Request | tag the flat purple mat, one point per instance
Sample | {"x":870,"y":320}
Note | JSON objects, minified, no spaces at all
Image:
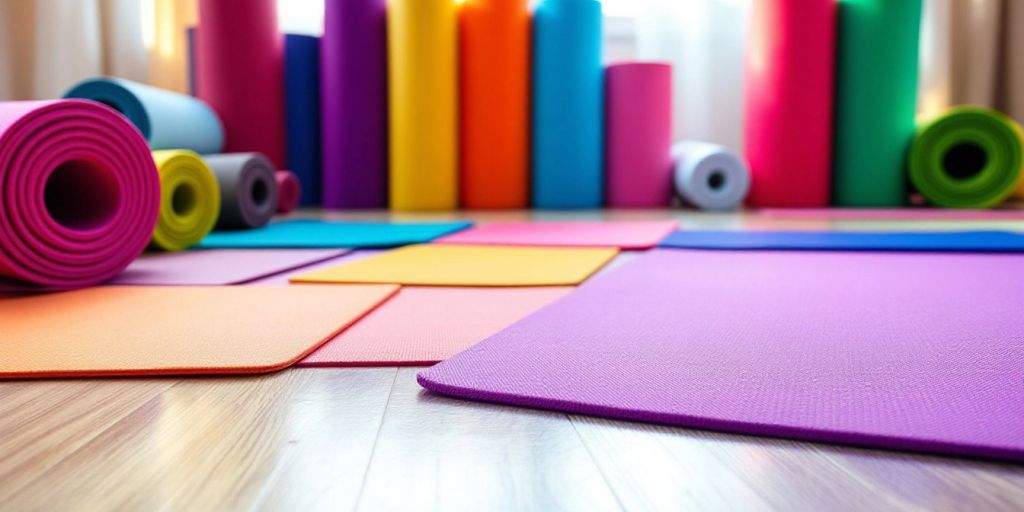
{"x":219,"y":266}
{"x":920,"y":352}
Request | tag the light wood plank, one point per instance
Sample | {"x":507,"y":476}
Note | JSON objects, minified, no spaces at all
{"x":435,"y":453}
{"x":222,"y":444}
{"x":655,"y":467}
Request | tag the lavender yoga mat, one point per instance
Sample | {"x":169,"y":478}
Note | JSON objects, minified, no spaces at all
{"x":353,"y":88}
{"x":79,"y":193}
{"x":219,"y":267}
{"x":901,"y":351}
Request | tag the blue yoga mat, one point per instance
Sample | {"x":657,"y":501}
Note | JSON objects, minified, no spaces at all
{"x":302,"y":112}
{"x":167,"y":119}
{"x":954,"y":241}
{"x":324,"y":234}
{"x":568,"y":105}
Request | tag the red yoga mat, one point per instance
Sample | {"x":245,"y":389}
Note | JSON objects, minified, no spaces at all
{"x":790,"y":81}
{"x":79,"y":193}
{"x":240,"y":61}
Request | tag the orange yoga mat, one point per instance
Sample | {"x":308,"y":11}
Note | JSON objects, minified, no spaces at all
{"x":422,"y":326}
{"x":494,"y":46}
{"x":128,"y":331}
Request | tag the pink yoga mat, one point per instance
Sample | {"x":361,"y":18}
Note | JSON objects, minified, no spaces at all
{"x":79,"y":193}
{"x":789,"y":82}
{"x":219,"y":266}
{"x":901,"y":351}
{"x":639,"y":134}
{"x":421,"y":326}
{"x":240,"y":61}
{"x":289,"y":190}
{"x":622,"y":234}
{"x":892,"y":214}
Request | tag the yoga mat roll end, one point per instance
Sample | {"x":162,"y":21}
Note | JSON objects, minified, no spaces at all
{"x":709,"y":176}
{"x":289,"y":191}
{"x":190,"y":200}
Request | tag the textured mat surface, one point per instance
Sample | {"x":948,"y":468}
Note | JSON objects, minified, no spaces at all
{"x":904,"y":351}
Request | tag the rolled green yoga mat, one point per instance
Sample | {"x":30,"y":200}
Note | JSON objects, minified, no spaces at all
{"x":970,"y":157}
{"x":876,"y":98}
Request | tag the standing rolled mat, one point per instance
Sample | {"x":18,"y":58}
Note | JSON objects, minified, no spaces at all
{"x":248,"y":189}
{"x":639,"y":135}
{"x":240,"y":73}
{"x":190,"y":200}
{"x":876,"y":100}
{"x":354,"y":102}
{"x":302,"y":112}
{"x":789,"y":86}
{"x":495,"y":103}
{"x":970,"y":157}
{"x":289,"y":190}
{"x":423,"y":55}
{"x":709,"y":176}
{"x":167,"y":119}
{"x":79,"y":193}
{"x":568,"y":105}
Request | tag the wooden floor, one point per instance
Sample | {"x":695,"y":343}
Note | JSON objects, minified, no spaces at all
{"x":372,"y":439}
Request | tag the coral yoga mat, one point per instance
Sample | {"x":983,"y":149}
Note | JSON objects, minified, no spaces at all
{"x":901,"y":351}
{"x":124,"y":331}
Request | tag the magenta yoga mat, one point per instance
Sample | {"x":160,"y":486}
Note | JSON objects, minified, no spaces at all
{"x":899,"y":351}
{"x":79,"y":193}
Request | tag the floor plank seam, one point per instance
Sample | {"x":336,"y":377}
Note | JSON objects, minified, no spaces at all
{"x":376,"y":438}
{"x":593,"y":459}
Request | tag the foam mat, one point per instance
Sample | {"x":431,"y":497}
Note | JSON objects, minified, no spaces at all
{"x":914,"y":352}
{"x":219,"y":266}
{"x":624,"y":235}
{"x":421,"y":326}
{"x":324,"y":234}
{"x":939,"y":241}
{"x":464,"y":265}
{"x":125,"y":331}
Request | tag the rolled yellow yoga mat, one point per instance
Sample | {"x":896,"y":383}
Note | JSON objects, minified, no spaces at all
{"x":189,"y":200}
{"x":969,"y":157}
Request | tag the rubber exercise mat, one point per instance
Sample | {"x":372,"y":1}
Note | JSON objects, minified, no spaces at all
{"x":320,"y":234}
{"x":79,"y":193}
{"x":421,"y":326}
{"x":219,"y":266}
{"x":466,"y":265}
{"x":624,"y":235}
{"x":284,"y":278}
{"x":124,"y":331}
{"x":901,"y":351}
{"x":941,"y":241}
{"x":893,"y":214}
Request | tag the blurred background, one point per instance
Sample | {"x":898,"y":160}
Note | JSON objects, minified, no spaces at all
{"x":48,"y":45}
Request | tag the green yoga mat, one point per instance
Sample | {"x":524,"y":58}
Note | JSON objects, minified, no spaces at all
{"x":876,"y":99}
{"x":971,"y":157}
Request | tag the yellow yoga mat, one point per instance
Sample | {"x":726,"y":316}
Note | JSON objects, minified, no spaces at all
{"x":422,"y":51}
{"x":464,"y":265}
{"x":189,"y":200}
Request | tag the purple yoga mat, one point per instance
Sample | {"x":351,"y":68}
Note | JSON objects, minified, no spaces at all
{"x":220,"y":266}
{"x":920,"y":352}
{"x":353,"y":89}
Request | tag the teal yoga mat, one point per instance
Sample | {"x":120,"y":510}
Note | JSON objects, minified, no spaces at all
{"x":876,"y":100}
{"x":168,"y":120}
{"x":325,"y":234}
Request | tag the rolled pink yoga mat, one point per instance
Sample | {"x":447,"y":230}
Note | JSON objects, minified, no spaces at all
{"x":79,"y":193}
{"x":240,"y":61}
{"x":289,"y":191}
{"x":790,"y":83}
{"x":639,"y":135}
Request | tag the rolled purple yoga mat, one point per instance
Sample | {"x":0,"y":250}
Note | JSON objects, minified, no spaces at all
{"x":79,"y":193}
{"x":353,"y":88}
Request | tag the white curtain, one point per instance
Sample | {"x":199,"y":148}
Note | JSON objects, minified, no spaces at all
{"x":705,"y":40}
{"x":48,"y":45}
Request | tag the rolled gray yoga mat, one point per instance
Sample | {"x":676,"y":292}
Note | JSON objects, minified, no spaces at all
{"x":248,"y":189}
